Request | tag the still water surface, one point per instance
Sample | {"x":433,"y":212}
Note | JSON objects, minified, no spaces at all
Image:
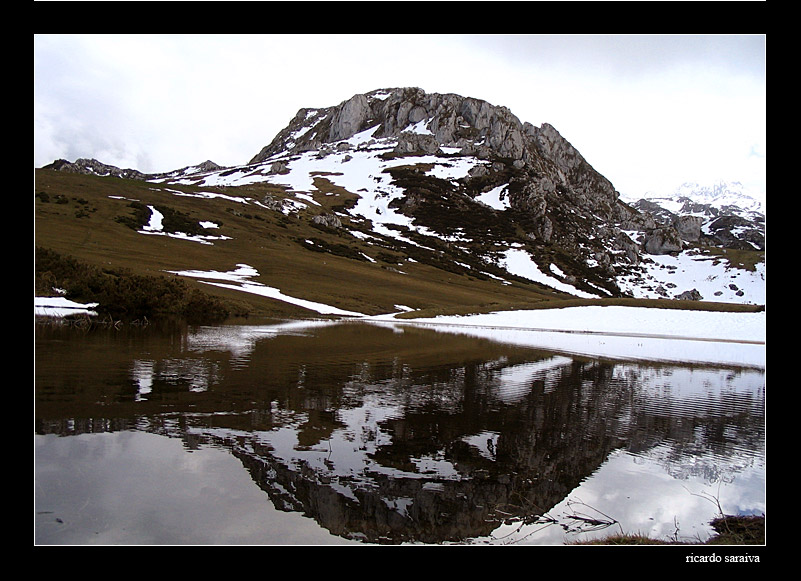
{"x":317,"y":432}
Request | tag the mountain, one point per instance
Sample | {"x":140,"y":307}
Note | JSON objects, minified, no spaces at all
{"x":722,"y":195}
{"x":424,"y":187}
{"x":722,"y":214}
{"x":94,"y":167}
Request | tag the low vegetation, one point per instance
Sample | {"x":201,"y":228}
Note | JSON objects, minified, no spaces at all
{"x":288,"y":250}
{"x":738,"y":530}
{"x":122,"y":294}
{"x":729,"y":530}
{"x":92,"y":225}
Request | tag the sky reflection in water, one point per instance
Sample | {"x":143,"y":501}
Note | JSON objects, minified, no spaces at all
{"x":314,"y":433}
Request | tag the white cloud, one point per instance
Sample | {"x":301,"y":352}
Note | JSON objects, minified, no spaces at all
{"x":648,"y":112}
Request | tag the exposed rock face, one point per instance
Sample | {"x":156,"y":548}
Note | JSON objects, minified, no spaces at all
{"x":662,"y":241}
{"x":409,"y":142}
{"x":475,"y":126}
{"x":328,"y":220}
{"x":689,"y":227}
{"x":207,"y":166}
{"x":349,"y":118}
{"x":690,"y":295}
{"x":452,"y":120}
{"x":94,"y":167}
{"x":556,"y":195}
{"x":563,"y":213}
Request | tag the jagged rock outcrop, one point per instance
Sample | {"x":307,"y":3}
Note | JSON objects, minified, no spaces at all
{"x":452,"y":120}
{"x":327,"y":220}
{"x":554,"y":193}
{"x":206,"y":166}
{"x":690,"y":295}
{"x":662,"y":241}
{"x":548,"y":199}
{"x":94,"y":167}
{"x":409,"y":142}
{"x":689,"y":227}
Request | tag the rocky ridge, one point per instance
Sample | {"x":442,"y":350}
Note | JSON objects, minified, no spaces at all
{"x":721,"y":215}
{"x":550,"y":203}
{"x":566,"y":209}
{"x":95,"y":167}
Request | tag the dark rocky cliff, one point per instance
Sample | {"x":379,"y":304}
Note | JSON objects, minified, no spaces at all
{"x":565,"y":207}
{"x":553,"y":205}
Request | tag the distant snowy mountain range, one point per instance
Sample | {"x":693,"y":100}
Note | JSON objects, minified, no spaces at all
{"x":723,"y":216}
{"x":727,"y":216}
{"x":720,"y":197}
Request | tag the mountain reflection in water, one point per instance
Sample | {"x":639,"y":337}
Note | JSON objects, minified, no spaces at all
{"x":390,"y":435}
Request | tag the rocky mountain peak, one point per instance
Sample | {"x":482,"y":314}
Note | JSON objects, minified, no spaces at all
{"x":563,"y":205}
{"x":447,"y":120}
{"x":460,"y":168}
{"x":428,"y":122}
{"x":92,"y":166}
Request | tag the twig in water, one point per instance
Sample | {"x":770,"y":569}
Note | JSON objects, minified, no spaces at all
{"x":594,"y":523}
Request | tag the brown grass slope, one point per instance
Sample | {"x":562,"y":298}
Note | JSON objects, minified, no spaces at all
{"x":89,"y":218}
{"x":93,"y":220}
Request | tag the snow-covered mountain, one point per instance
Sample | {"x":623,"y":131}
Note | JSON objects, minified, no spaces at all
{"x":710,"y":202}
{"x":720,"y":195}
{"x":714,"y":221}
{"x":467,"y":187}
{"x":724,"y":214}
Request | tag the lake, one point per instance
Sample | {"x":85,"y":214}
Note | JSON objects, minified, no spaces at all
{"x":337,"y":432}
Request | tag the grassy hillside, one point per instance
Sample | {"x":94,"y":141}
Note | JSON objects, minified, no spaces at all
{"x":94,"y":220}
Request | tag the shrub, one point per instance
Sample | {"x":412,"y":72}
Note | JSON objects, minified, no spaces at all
{"x":121,"y":293}
{"x":172,"y":220}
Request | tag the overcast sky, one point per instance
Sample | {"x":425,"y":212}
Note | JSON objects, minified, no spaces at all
{"x":648,"y":112}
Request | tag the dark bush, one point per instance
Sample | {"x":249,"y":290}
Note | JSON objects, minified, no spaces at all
{"x":172,"y":221}
{"x":121,"y":293}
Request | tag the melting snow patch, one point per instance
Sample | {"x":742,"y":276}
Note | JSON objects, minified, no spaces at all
{"x":419,"y":128}
{"x":495,"y":198}
{"x":155,"y":226}
{"x":242,"y":274}
{"x":209,"y":196}
{"x":712,"y":277}
{"x":624,"y":332}
{"x":518,"y":262}
{"x":239,"y":279}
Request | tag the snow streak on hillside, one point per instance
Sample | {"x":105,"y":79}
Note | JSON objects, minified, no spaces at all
{"x":356,"y":164}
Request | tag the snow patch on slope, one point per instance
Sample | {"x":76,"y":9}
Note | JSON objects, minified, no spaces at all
{"x":239,"y":279}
